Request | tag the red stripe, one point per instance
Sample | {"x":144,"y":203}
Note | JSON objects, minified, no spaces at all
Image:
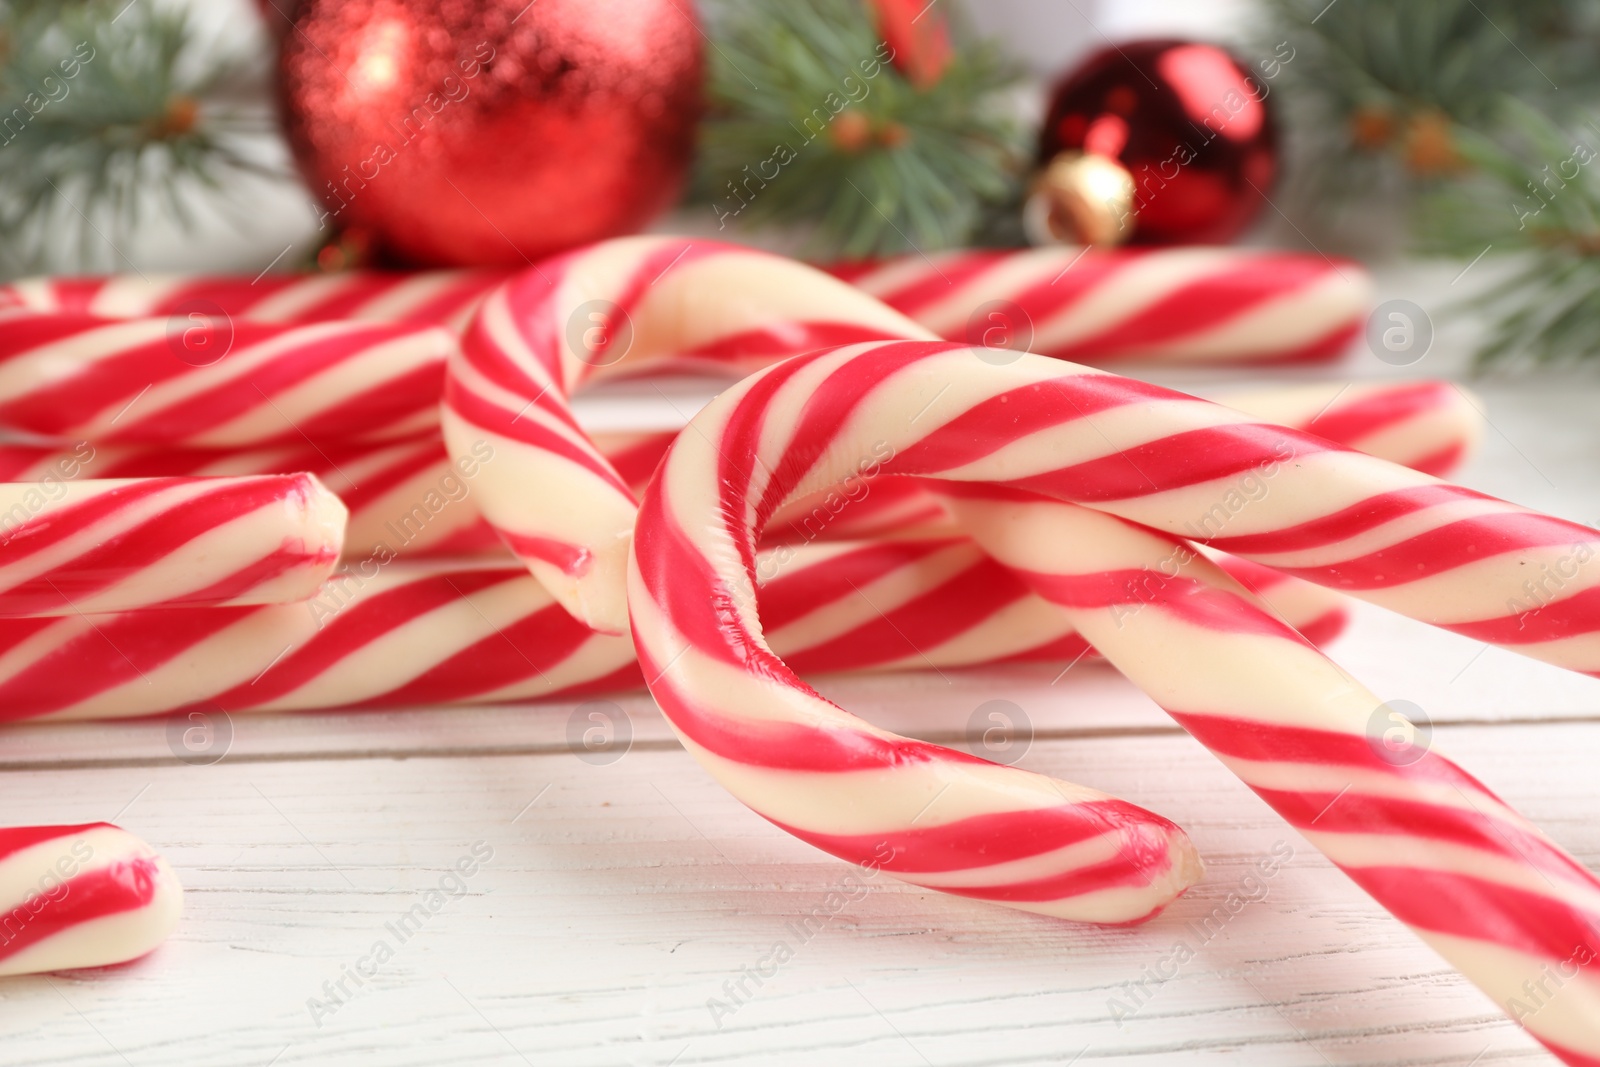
{"x":636,"y":461}
{"x":359,"y":623}
{"x":233,"y":295}
{"x":1463,"y":906}
{"x":1325,"y":628}
{"x":924,"y":622}
{"x":14,"y":839}
{"x":573,"y":560}
{"x":118,"y":649}
{"x":825,"y":411}
{"x":514,"y":654}
{"x":372,"y":411}
{"x":52,"y":525}
{"x":453,"y":301}
{"x":1176,"y":461}
{"x":1380,"y":410}
{"x":496,"y":420}
{"x":1360,"y":517}
{"x":787,"y":746}
{"x":1186,"y":599}
{"x":926,"y":287}
{"x":115,"y":557}
{"x":1355,"y":812}
{"x":1004,"y":837}
{"x":1571,"y":616}
{"x":1446,"y":548}
{"x":998,"y":421}
{"x":1277,"y":743}
{"x":687,"y":588}
{"x":1441,"y":462}
{"x":1226,"y":292}
{"x":123,"y":886}
{"x":789,"y":338}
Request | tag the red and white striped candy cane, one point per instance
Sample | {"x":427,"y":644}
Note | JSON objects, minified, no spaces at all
{"x":407,"y":498}
{"x":81,"y":896}
{"x":208,"y":382}
{"x":456,"y":633}
{"x":1429,"y":425}
{"x":1278,"y":496}
{"x":658,"y":301}
{"x":1133,"y":452}
{"x":1475,"y":880}
{"x":410,"y":499}
{"x":1099,"y":305}
{"x":434,"y":297}
{"x":70,"y":548}
{"x":616,"y":306}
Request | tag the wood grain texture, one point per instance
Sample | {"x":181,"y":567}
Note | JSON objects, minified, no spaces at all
{"x":620,"y":899}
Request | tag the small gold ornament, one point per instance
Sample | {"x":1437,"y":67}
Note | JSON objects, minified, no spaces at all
{"x":1080,"y":198}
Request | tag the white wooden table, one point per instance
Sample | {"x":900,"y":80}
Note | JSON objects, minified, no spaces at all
{"x":627,"y":910}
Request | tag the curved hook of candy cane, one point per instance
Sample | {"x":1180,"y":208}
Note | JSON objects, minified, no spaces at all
{"x":1290,"y":500}
{"x":1473,"y":878}
{"x":81,"y":896}
{"x":938,"y":410}
{"x":609,"y":308}
{"x":914,"y":810}
{"x":1167,"y":305}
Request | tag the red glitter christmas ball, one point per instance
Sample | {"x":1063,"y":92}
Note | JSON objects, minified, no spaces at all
{"x":489,"y":133}
{"x":1190,"y":124}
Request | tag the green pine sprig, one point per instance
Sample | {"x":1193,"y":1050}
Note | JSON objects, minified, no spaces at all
{"x":1533,"y":192}
{"x":1375,"y":86}
{"x":809,"y":124}
{"x":110,"y":111}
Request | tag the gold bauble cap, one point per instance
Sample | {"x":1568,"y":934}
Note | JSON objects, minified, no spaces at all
{"x":1080,"y":198}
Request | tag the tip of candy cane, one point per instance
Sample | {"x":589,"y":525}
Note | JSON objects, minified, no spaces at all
{"x":95,"y":896}
{"x":326,"y":517}
{"x":598,"y":596}
{"x":1123,"y":904}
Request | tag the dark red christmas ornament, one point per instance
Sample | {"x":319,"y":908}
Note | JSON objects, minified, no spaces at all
{"x":491,"y":132}
{"x":1156,"y":142}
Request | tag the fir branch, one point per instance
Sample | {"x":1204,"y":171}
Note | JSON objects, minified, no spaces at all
{"x":109,"y":111}
{"x":1376,"y":88}
{"x":809,"y":123}
{"x":1533,"y":192}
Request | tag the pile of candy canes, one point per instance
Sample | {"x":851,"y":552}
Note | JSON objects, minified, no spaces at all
{"x":171,"y":441}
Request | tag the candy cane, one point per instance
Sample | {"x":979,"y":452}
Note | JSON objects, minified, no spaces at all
{"x":81,"y":896}
{"x":619,"y":304}
{"x":215,"y":383}
{"x":1098,"y":305}
{"x":435,"y":297}
{"x":408,"y":498}
{"x":1184,"y":304}
{"x":70,"y":548}
{"x":1475,"y":880}
{"x":455,"y":633}
{"x":1136,"y":453}
{"x":556,"y":501}
{"x":1429,"y":425}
